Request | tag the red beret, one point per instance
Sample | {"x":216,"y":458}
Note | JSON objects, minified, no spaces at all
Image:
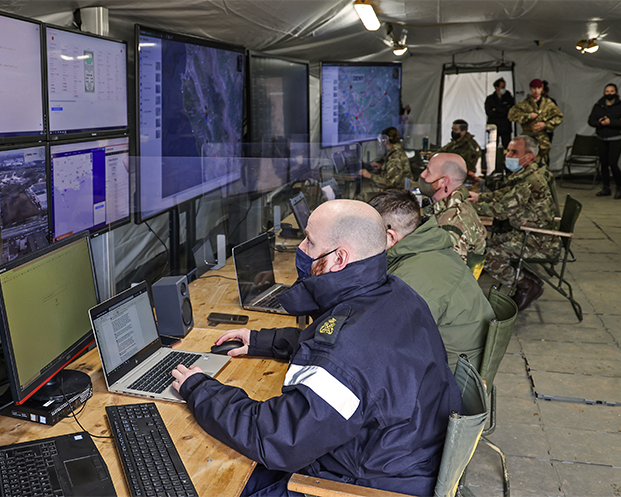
{"x":536,"y":83}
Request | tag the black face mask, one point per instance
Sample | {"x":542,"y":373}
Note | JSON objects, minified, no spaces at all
{"x":455,"y":136}
{"x":610,"y":96}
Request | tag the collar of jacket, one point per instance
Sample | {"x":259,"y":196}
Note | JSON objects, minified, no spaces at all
{"x":315,"y":295}
{"x":518,"y":176}
{"x":602,"y":102}
{"x":429,"y":237}
{"x":455,"y":198}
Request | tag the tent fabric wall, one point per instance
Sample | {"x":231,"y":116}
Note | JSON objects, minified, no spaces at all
{"x":568,"y":79}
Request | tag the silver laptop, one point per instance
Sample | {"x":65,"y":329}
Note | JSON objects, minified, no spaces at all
{"x":255,"y":276}
{"x":133,"y":358}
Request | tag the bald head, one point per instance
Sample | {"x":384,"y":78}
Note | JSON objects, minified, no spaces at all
{"x":451,"y":165}
{"x":444,"y":174}
{"x":352,"y":224}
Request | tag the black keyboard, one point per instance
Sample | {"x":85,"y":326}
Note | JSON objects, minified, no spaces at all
{"x":151,"y":462}
{"x":30,"y":470}
{"x":54,"y":467}
{"x":159,"y":377}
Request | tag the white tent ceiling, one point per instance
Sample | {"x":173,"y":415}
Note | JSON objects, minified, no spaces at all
{"x":330,"y":29}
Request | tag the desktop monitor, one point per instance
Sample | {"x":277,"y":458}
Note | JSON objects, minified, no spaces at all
{"x":21,"y":80}
{"x":23,"y":200}
{"x":44,"y":323}
{"x":190,"y":98}
{"x":358,"y":100}
{"x":87,"y":84}
{"x":89,"y":186}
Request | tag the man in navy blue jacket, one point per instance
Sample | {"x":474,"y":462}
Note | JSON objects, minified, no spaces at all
{"x":368,"y":392}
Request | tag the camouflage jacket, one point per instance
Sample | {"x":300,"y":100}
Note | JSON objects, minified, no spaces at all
{"x":548,"y":113}
{"x":525,"y":200}
{"x":395,"y":169}
{"x":467,"y":147}
{"x":457,"y":215}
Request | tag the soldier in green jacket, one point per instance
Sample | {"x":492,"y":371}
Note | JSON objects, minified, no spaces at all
{"x":525,"y":200}
{"x":442,"y":181}
{"x":424,"y":258}
{"x":538,"y":116}
{"x":463,"y":143}
{"x":394,"y":168}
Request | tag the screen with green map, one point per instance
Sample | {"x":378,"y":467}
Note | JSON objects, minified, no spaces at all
{"x":358,"y":101}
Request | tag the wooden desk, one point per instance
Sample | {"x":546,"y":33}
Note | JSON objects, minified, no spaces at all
{"x":215,"y":469}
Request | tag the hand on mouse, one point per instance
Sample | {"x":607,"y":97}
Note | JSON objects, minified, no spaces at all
{"x":241,"y":334}
{"x":181,"y":373}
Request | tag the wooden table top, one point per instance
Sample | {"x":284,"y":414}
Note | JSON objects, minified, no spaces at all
{"x":214,"y":468}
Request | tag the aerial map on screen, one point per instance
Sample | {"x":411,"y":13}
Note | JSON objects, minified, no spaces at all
{"x":358,"y":102}
{"x":202,"y":109}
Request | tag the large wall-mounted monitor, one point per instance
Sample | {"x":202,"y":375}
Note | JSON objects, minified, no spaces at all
{"x":279,"y":120}
{"x":190,"y":99}
{"x":21,"y":80}
{"x":278,"y":98}
{"x":23,"y":200}
{"x":87,"y":84}
{"x":358,"y":100}
{"x":44,"y":321}
{"x":89,"y":185}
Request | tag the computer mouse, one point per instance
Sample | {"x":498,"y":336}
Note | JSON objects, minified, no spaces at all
{"x":224,"y":347}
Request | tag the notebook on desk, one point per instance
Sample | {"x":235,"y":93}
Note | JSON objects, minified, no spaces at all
{"x":132,"y":355}
{"x":255,"y":276}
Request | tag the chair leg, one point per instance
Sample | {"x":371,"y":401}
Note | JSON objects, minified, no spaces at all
{"x":505,"y":469}
{"x":492,"y":414}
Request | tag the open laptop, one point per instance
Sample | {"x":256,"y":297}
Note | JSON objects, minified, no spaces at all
{"x":131,"y":352}
{"x":255,"y":276}
{"x":331,"y":190}
{"x":301,"y":211}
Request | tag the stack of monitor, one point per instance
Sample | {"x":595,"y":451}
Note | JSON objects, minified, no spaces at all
{"x":64,"y":145}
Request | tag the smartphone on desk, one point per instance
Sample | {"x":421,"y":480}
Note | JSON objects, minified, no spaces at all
{"x":220,"y":317}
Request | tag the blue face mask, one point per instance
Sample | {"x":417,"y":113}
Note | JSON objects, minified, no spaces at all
{"x":513,"y":164}
{"x":303,"y":262}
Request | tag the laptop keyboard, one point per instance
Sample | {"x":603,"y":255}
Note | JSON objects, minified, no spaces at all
{"x":30,"y":470}
{"x":270,"y":301}
{"x":159,"y":377}
{"x":150,"y":459}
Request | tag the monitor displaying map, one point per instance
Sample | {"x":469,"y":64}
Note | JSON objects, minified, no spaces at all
{"x":358,"y":100}
{"x":21,"y":80}
{"x":190,"y":106}
{"x":87,"y":84}
{"x":89,"y":185}
{"x":23,"y":201}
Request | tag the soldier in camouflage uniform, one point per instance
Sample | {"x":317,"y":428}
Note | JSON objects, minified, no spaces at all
{"x":525,"y":200}
{"x":442,"y":181}
{"x":463,"y":143}
{"x":395,"y":166}
{"x":538,"y":115}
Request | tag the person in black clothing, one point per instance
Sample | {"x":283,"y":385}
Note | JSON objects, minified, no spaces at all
{"x":497,"y":107}
{"x":606,"y":119}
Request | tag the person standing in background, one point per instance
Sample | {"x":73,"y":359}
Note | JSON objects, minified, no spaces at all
{"x":606,"y":119}
{"x":537,"y":115}
{"x":497,"y":107}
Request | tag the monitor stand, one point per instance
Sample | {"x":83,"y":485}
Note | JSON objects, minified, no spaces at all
{"x":64,"y":385}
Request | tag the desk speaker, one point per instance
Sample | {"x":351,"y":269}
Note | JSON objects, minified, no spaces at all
{"x":171,"y":297}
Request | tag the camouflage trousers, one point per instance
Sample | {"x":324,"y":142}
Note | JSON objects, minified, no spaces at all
{"x":502,"y":248}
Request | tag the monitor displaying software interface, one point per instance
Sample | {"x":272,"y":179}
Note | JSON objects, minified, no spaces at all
{"x":21,"y":82}
{"x":191,"y":99}
{"x":45,"y":303}
{"x":23,"y":201}
{"x":358,"y":100}
{"x":87,"y":82}
{"x":89,"y":185}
